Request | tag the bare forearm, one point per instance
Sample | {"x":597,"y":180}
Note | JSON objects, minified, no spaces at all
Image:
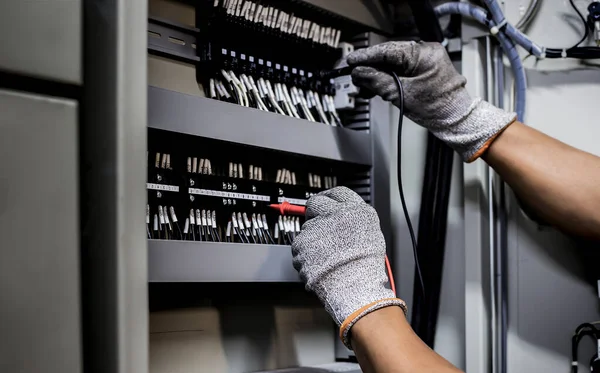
{"x":559,"y":182}
{"x":385,"y":343}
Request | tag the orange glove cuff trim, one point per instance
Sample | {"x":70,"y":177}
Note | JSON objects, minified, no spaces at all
{"x":488,"y":143}
{"x":365,"y":310}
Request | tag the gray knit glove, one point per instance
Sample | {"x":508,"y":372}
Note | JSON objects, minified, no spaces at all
{"x":434,"y":93}
{"x":340,"y":255}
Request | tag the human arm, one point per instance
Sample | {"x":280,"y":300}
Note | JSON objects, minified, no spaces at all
{"x":340,"y":256}
{"x":384,"y":342}
{"x":559,"y":182}
{"x":556,"y":181}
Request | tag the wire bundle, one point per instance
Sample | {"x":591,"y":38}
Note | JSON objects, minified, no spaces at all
{"x":164,"y":225}
{"x":267,"y":55}
{"x":276,"y":97}
{"x":576,"y":51}
{"x":256,"y":230}
{"x":161,"y":220}
{"x":201,"y":225}
{"x":278,"y":20}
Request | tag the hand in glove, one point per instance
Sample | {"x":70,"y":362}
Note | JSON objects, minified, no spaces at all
{"x":340,"y":255}
{"x":434,"y":94}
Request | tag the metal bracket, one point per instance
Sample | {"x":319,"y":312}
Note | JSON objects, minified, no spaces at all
{"x":172,"y":40}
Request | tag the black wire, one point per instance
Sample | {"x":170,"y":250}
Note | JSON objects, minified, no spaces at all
{"x":577,"y":336}
{"x":585,"y":26}
{"x":400,"y":187}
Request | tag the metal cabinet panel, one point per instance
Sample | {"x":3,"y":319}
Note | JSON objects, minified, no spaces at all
{"x":39,"y":235}
{"x":42,"y":39}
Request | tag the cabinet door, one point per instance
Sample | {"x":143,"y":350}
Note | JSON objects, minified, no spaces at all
{"x":39,"y":235}
{"x":42,"y":39}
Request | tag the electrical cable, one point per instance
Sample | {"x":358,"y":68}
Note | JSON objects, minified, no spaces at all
{"x":495,"y":21}
{"x":434,"y":203}
{"x":530,"y":12}
{"x":577,"y":336}
{"x":585,"y":25}
{"x":401,"y":188}
{"x":508,"y":46}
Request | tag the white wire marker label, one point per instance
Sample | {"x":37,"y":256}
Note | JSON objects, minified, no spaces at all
{"x":168,"y":188}
{"x":224,"y":194}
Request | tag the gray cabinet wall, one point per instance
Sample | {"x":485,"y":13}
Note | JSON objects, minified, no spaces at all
{"x":39,"y":235}
{"x":42,"y":39}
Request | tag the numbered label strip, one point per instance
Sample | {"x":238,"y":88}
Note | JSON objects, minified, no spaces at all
{"x":225,"y":194}
{"x":168,"y":188}
{"x":293,"y":201}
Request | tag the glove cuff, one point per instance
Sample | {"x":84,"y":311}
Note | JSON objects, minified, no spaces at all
{"x":363,"y":311}
{"x":475,"y":131}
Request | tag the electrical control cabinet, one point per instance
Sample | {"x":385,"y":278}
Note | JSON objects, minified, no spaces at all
{"x":205,"y":150}
{"x":217,"y":160}
{"x":233,"y":115}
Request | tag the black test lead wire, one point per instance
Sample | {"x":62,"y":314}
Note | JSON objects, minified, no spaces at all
{"x":400,"y":187}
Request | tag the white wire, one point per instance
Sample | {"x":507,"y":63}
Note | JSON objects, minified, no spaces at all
{"x":261,"y":91}
{"x":271,"y":95}
{"x":233,"y":85}
{"x":320,"y":108}
{"x":278,"y":97}
{"x":288,"y":99}
{"x":243,"y":96}
{"x":284,"y":101}
{"x":304,"y":105}
{"x":244,"y":79}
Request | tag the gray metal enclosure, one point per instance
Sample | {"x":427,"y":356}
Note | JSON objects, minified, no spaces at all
{"x":72,"y":136}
